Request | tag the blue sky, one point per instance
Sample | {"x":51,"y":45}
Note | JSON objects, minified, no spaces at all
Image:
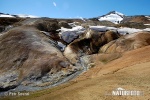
{"x":74,"y":8}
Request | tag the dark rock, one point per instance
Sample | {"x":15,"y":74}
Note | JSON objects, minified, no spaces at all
{"x":2,"y":28}
{"x":64,"y":24}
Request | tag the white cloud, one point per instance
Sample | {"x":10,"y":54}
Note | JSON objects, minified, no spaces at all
{"x":54,"y":4}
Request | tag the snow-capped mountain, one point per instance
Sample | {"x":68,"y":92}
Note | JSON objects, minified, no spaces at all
{"x":25,"y":16}
{"x":113,"y":16}
{"x":17,"y":15}
{"x":6,"y":15}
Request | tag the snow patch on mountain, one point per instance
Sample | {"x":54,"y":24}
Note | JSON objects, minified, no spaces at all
{"x":148,"y":17}
{"x":114,"y":17}
{"x":121,"y":30}
{"x":17,"y":15}
{"x":25,"y":16}
{"x":5,"y":15}
{"x":102,"y":28}
{"x":126,"y":30}
{"x":68,"y":35}
{"x":147,"y":24}
{"x":147,"y":29}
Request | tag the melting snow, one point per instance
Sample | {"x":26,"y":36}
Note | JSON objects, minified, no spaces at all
{"x":102,"y":28}
{"x":147,"y":29}
{"x":148,"y":17}
{"x":82,"y":19}
{"x":119,"y":13}
{"x":19,"y":15}
{"x":68,"y":35}
{"x":123,"y":30}
{"x":112,"y":17}
{"x":126,"y":30}
{"x":3,"y":15}
{"x":147,"y":24}
{"x":62,"y":46}
{"x":25,"y":16}
{"x":78,"y":29}
{"x":72,"y":24}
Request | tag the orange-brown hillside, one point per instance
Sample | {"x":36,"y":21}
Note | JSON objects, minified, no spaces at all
{"x":131,"y":72}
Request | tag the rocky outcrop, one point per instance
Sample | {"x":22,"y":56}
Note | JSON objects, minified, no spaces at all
{"x":28,"y":57}
{"x":6,"y":23}
{"x":88,"y":44}
{"x":127,"y":42}
{"x":2,"y":28}
{"x":76,"y":49}
{"x":99,"y":39}
{"x":64,"y":24}
{"x":43,"y":24}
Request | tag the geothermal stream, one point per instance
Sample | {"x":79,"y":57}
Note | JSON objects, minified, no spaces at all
{"x":64,"y":80}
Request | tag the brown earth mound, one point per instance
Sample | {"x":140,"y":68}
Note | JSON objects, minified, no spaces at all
{"x":126,"y":43}
{"x":137,"y":19}
{"x":140,"y":19}
{"x":27,"y":55}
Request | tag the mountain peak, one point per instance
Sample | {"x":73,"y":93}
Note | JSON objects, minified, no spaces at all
{"x":113,"y":16}
{"x":116,"y":12}
{"x":17,"y":15}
